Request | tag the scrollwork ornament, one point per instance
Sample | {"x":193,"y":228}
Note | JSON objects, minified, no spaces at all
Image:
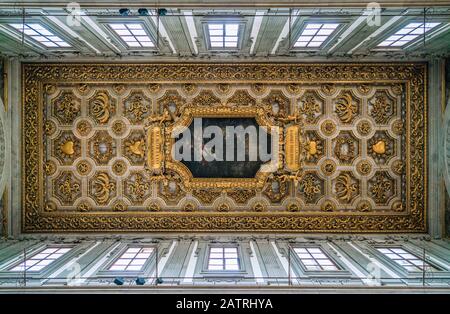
{"x":398,"y":167}
{"x":84,"y":127}
{"x":119,"y":127}
{"x":84,"y":207}
{"x":259,"y":88}
{"x":328,"y":167}
{"x":223,"y":207}
{"x":190,"y":206}
{"x":397,"y":206}
{"x":50,"y":89}
{"x":328,"y":89}
{"x":84,"y":167}
{"x":364,"y":206}
{"x":364,"y":167}
{"x":293,"y":207}
{"x":119,"y":167}
{"x":154,"y":88}
{"x":259,"y":207}
{"x":189,"y":88}
{"x":397,"y":127}
{"x":50,"y":127}
{"x":328,"y":127}
{"x":153,"y":207}
{"x":50,"y":167}
{"x":50,"y":206}
{"x":364,"y":127}
{"x":120,"y":206}
{"x":328,"y":206}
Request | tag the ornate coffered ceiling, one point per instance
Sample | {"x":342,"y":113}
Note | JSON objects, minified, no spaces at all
{"x":96,"y":147}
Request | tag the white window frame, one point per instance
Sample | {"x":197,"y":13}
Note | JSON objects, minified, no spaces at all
{"x":40,"y":252}
{"x":420,"y":32}
{"x":223,"y":258}
{"x":425,"y":262}
{"x":137,"y":250}
{"x":30,"y":39}
{"x":309,"y":27}
{"x":240,"y":33}
{"x":312,"y":252}
{"x":106,"y":24}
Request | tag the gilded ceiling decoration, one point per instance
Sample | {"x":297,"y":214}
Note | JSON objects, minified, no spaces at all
{"x":351,"y":147}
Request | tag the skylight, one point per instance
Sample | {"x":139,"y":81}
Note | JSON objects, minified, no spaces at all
{"x":405,"y":259}
{"x":224,"y":35}
{"x":133,"y":259}
{"x":134,"y":35}
{"x":406,"y":34}
{"x":223,"y":258}
{"x":42,"y":259}
{"x":315,"y":34}
{"x":313,"y":258}
{"x":41,"y":34}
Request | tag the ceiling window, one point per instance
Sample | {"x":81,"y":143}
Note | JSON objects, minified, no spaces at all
{"x":314,"y":259}
{"x":405,"y":259}
{"x":41,"y":35}
{"x":134,"y":35}
{"x":133,"y":259}
{"x":41,"y":259}
{"x":223,"y":258}
{"x":315,"y":34}
{"x":223,"y":35}
{"x":407,"y":34}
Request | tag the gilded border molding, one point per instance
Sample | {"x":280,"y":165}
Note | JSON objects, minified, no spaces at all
{"x":413,"y":75}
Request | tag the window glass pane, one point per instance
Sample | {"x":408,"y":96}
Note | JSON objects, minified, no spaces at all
{"x":215,"y":267}
{"x":133,"y":44}
{"x":134,"y":35}
{"x":133,"y":250}
{"x":216,"y":32}
{"x":407,"y":260}
{"x":225,"y":258}
{"x":134,"y":26}
{"x":232,"y":267}
{"x":315,"y":259}
{"x":147,"y":44}
{"x":134,"y":268}
{"x":40,"y":34}
{"x":330,"y":26}
{"x":407,"y":34}
{"x":300,"y":44}
{"x":40,"y":260}
{"x":215,"y":26}
{"x":123,"y":32}
{"x":231,"y":29}
{"x":325,"y":31}
{"x":315,"y":26}
{"x":133,"y":259}
{"x":117,"y":26}
{"x":142,"y":38}
{"x":138,"y":32}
